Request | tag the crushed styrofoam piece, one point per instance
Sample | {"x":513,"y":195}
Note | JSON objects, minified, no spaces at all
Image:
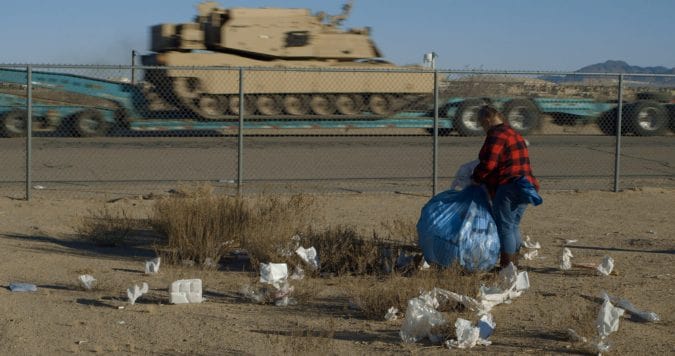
{"x":469,"y":336}
{"x":529,"y":244}
{"x":87,"y":281}
{"x":463,"y":175}
{"x":22,"y":287}
{"x":152,"y":266}
{"x":392,"y":314}
{"x":574,"y":337}
{"x":607,"y":322}
{"x":570,"y":241}
{"x":135,"y":292}
{"x":566,"y":260}
{"x":606,"y":266}
{"x":186,"y":291}
{"x":640,"y":315}
{"x":531,"y":255}
{"x":273,"y":273}
{"x":309,"y":256}
{"x":421,"y":317}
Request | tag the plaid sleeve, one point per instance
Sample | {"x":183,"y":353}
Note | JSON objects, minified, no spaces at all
{"x":489,"y":156}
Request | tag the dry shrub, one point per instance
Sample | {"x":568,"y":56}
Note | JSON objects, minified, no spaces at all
{"x":109,"y":227}
{"x":404,"y":231}
{"x":342,"y":250}
{"x":201,"y":226}
{"x":374,"y":296}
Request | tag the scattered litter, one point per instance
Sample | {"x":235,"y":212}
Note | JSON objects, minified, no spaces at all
{"x":469,"y":336}
{"x":152,"y":266}
{"x":120,"y":307}
{"x":80,"y":342}
{"x":135,"y":292}
{"x":282,"y":297}
{"x":121,"y":322}
{"x":606,"y":266}
{"x":566,"y":260}
{"x":463,"y":175}
{"x":607,"y":322}
{"x":392,"y":314}
{"x":651,"y":232}
{"x":309,"y":256}
{"x":574,"y":337}
{"x":298,"y":273}
{"x":512,"y":284}
{"x":640,"y":315}
{"x":186,"y":291}
{"x":529,"y":244}
{"x":256,"y":295}
{"x":531,"y":255}
{"x":87,"y":281}
{"x":425,"y":265}
{"x":273,"y":273}
{"x":487,"y":325}
{"x":421,"y":317}
{"x":22,"y":287}
{"x":39,"y":187}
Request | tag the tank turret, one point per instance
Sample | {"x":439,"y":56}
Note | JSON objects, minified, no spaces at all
{"x":274,"y":37}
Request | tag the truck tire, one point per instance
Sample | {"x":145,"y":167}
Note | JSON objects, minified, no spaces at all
{"x":653,"y":96}
{"x":14,"y":123}
{"x":90,"y":123}
{"x":645,"y":118}
{"x":607,"y":122}
{"x":671,"y":115}
{"x":466,"y":119}
{"x":522,"y":114}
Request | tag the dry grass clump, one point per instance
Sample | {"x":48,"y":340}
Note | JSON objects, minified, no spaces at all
{"x":374,"y":296}
{"x":110,"y":227}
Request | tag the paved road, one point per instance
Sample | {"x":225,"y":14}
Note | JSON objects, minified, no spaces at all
{"x":383,"y":163}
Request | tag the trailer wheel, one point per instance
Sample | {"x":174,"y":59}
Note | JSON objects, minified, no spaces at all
{"x":522,"y":114}
{"x":90,"y":123}
{"x":14,"y":123}
{"x":671,"y":114}
{"x":466,"y":120}
{"x":646,"y":118}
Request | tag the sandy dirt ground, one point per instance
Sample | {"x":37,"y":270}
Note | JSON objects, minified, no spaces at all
{"x":38,"y":245}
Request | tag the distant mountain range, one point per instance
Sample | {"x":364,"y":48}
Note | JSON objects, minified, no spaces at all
{"x":617,"y":67}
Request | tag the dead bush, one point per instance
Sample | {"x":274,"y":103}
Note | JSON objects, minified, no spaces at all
{"x":109,"y":227}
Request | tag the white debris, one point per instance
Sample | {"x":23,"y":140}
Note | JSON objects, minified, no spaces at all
{"x":566,"y":260}
{"x":420,"y":318}
{"x":186,"y":291}
{"x":135,"y":292}
{"x":569,"y":242}
{"x":469,"y":336}
{"x":607,"y":322}
{"x":487,"y":325}
{"x":633,"y":310}
{"x":529,"y":244}
{"x":273,"y":273}
{"x":87,"y":281}
{"x":309,"y":256}
{"x":392,"y":314}
{"x":425,"y":265}
{"x":573,"y":336}
{"x":531,"y":255}
{"x":282,"y":297}
{"x":152,"y":266}
{"x":606,"y":266}
{"x":463,"y":175}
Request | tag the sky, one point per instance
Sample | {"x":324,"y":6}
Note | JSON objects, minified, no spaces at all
{"x":537,"y":35}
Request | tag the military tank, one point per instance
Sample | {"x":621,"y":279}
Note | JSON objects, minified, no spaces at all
{"x":298,"y":64}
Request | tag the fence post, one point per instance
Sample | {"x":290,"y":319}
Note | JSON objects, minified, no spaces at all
{"x":240,"y":141}
{"x":617,"y":150}
{"x":29,"y":130}
{"x":435,"y":149}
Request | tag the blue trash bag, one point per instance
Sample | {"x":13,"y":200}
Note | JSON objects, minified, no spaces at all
{"x":527,"y":193}
{"x":458,"y":226}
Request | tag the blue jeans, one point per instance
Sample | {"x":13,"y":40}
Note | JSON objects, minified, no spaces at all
{"x":507,"y":210}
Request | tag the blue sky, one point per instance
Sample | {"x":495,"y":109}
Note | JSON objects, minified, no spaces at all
{"x":560,"y":35}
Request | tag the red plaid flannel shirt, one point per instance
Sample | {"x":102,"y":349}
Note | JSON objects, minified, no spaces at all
{"x":503,"y":157}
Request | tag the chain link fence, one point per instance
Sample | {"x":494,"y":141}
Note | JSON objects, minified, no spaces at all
{"x":118,"y":130}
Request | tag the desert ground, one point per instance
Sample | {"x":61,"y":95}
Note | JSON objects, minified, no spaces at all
{"x":39,"y":245}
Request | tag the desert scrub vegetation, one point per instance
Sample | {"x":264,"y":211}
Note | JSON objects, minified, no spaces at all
{"x":110,"y":227}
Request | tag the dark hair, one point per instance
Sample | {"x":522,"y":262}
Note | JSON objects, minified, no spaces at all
{"x":489,"y":112}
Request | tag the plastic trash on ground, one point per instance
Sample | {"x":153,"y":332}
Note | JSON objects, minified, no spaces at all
{"x":528,"y":243}
{"x":421,"y":317}
{"x":186,"y":291}
{"x":640,"y":315}
{"x":606,"y":266}
{"x":463,"y":175}
{"x":309,"y":256}
{"x":152,"y":266}
{"x":136,"y":292}
{"x":469,"y":336}
{"x":458,"y":227}
{"x":22,"y":287}
{"x":566,"y":259}
{"x":392,"y":314}
{"x":511,"y":285}
{"x":530,"y":255}
{"x":87,"y":281}
{"x":273,"y":273}
{"x":607,"y":322}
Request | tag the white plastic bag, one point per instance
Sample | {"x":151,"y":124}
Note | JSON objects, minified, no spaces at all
{"x":463,"y":175}
{"x":136,"y":292}
{"x":421,"y":317}
{"x":87,"y":281}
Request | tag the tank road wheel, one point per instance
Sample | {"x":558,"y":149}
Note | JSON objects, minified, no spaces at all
{"x":249,"y":105}
{"x":210,"y":107}
{"x":379,"y":105}
{"x":14,"y":123}
{"x":466,"y":119}
{"x":268,"y":105}
{"x":348,"y":104}
{"x":645,"y":118}
{"x":90,"y":123}
{"x":322,"y":105}
{"x":295,"y":105}
{"x":186,"y":87}
{"x":522,"y":114}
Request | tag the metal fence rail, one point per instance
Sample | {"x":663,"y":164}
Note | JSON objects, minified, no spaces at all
{"x":91,"y":129}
